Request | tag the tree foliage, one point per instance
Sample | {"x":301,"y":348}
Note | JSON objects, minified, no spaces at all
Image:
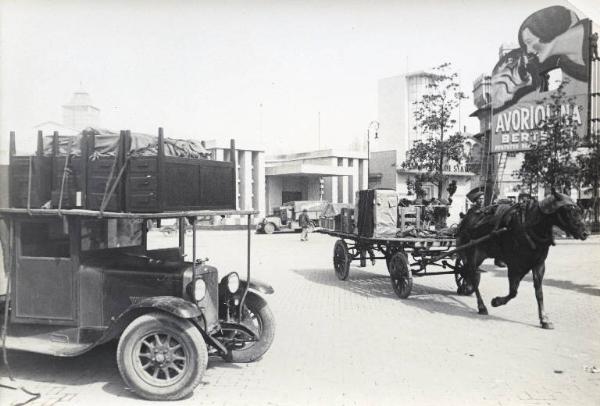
{"x":434,"y":116}
{"x":552,"y":161}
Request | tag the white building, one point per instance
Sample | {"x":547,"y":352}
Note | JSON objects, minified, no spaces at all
{"x":250,"y":174}
{"x":331,"y":175}
{"x":396,"y":98}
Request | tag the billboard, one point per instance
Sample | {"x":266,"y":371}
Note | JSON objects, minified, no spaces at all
{"x":553,"y":42}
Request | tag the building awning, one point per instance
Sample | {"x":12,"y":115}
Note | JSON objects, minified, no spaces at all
{"x":302,"y":169}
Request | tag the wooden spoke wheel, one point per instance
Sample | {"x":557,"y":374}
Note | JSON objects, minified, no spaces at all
{"x":400,"y":275}
{"x":161,"y":357}
{"x":341,"y":260}
{"x":464,"y":287}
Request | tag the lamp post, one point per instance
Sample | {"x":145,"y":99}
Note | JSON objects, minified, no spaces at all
{"x":373,"y":125}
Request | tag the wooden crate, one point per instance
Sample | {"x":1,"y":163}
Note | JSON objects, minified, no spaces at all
{"x":179,"y":184}
{"x":327,"y":223}
{"x":409,"y":217}
{"x":347,"y":220}
{"x":29,"y":176}
{"x":167,"y":183}
{"x":73,"y":181}
{"x":99,"y":172}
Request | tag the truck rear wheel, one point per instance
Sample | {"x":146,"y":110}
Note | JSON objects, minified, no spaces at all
{"x":161,"y":357}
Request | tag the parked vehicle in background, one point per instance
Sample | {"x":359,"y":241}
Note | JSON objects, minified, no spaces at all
{"x":286,"y":216}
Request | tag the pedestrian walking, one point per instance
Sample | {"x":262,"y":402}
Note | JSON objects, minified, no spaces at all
{"x":304,"y":223}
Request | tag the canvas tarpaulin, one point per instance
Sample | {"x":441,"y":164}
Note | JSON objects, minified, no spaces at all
{"x":377,"y":212}
{"x":333,"y":209}
{"x":106,"y":143}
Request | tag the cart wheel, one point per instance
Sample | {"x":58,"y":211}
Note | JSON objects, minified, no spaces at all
{"x":400,"y":275}
{"x":341,"y":260}
{"x":464,"y":288}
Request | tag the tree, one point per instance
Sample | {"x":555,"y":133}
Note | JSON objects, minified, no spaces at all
{"x":552,"y":160}
{"x":434,"y":113}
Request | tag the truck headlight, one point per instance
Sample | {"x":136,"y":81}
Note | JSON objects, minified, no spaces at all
{"x":233,"y":282}
{"x":199,"y":290}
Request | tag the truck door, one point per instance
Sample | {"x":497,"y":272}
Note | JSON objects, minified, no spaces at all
{"x":44,"y":282}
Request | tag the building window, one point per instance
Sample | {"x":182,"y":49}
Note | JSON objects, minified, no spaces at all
{"x":340,"y":161}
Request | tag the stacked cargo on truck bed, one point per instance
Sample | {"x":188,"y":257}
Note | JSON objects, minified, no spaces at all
{"x":102,"y":170}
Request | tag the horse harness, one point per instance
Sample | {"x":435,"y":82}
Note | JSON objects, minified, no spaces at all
{"x":531,"y":236}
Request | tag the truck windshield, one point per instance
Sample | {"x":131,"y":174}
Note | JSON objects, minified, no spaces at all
{"x":97,"y":234}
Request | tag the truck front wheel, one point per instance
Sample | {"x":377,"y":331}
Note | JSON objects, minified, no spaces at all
{"x":257,"y":316}
{"x":161,"y":357}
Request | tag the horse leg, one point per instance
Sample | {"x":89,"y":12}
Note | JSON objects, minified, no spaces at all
{"x":514,"y":279}
{"x":475,"y":277}
{"x":480,"y":304}
{"x":538,"y":276}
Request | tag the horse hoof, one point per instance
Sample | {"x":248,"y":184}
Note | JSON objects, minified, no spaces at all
{"x":496,"y":302}
{"x":546,"y":325}
{"x":483,"y":311}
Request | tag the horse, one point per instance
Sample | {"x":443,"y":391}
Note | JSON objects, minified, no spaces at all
{"x":523,"y":246}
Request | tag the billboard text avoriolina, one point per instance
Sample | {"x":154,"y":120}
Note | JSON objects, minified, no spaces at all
{"x":550,"y":39}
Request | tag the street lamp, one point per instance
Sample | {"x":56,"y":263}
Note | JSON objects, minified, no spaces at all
{"x":373,"y":125}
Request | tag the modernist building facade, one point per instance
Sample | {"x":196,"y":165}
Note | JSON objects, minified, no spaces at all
{"x":330,"y":174}
{"x":395,"y":99}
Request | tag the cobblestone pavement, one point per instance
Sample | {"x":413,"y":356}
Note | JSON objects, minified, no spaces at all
{"x":356,"y":343}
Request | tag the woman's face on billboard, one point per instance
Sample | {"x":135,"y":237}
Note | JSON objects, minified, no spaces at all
{"x":533,"y":46}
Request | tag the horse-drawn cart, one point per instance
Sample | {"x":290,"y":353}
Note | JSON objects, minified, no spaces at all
{"x":424,"y":252}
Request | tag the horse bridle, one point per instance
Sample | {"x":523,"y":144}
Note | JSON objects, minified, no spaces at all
{"x":560,"y":219}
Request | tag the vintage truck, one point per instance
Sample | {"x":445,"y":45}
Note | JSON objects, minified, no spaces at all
{"x":78,"y":278}
{"x":84,"y":273}
{"x":285,"y":217}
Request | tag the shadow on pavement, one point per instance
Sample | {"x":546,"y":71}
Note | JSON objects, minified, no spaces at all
{"x":96,"y":366}
{"x":555,"y":283}
{"x":430,"y":299}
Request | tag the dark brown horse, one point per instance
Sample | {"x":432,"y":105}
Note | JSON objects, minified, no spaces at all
{"x":523,"y":247}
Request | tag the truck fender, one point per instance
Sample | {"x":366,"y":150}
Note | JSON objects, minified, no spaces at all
{"x":172,"y":305}
{"x":275,"y":220}
{"x":176,"y":306}
{"x":259,"y":286}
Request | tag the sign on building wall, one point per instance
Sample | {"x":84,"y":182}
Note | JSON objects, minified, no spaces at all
{"x":553,"y":43}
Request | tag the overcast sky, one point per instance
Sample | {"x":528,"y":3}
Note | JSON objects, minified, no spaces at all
{"x":203,"y":69}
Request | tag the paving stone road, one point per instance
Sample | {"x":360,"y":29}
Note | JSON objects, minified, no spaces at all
{"x":356,"y":343}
